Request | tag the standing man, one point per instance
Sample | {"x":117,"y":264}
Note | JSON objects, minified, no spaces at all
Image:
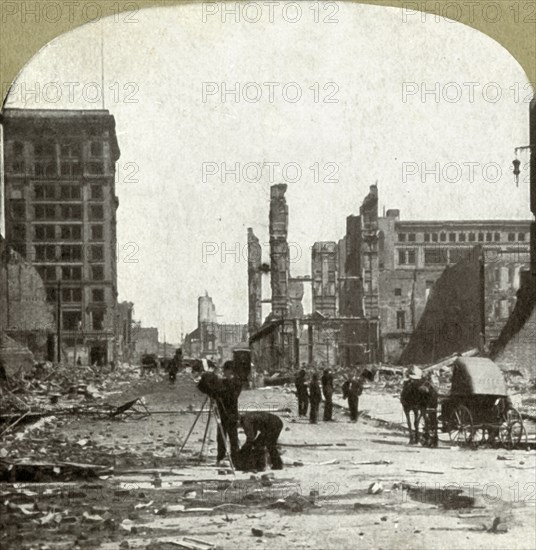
{"x":315,"y":396}
{"x":301,"y":391}
{"x":352,"y":389}
{"x":327,"y":390}
{"x":262,"y":431}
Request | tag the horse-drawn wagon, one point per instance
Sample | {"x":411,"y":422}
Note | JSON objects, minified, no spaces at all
{"x":478,"y":409}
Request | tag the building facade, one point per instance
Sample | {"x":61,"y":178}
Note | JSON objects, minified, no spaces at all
{"x":60,"y":212}
{"x":414,"y":254}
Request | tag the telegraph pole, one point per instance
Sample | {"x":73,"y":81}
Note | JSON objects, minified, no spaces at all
{"x":58,"y":320}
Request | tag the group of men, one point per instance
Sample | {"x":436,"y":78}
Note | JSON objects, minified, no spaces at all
{"x":261,"y":429}
{"x":310,"y":395}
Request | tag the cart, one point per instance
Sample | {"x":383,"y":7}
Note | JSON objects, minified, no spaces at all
{"x":478,"y":409}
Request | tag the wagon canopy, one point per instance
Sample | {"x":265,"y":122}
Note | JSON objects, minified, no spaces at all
{"x":477,"y":376}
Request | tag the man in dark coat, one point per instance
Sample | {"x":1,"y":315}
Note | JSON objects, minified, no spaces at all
{"x":327,"y":390}
{"x":301,"y":391}
{"x":351,"y":390}
{"x":262,"y":430}
{"x":315,"y":396}
{"x":225,"y":392}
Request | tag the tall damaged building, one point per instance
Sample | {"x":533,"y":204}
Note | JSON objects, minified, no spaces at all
{"x":254,"y":282}
{"x":279,"y":253}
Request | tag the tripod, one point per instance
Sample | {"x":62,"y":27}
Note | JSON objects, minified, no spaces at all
{"x":212,"y":412}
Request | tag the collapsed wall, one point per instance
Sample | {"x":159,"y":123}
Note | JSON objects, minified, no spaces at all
{"x":515,"y":349}
{"x":452,"y":319}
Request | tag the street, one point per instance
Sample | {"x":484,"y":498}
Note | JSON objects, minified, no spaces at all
{"x":448,"y":497}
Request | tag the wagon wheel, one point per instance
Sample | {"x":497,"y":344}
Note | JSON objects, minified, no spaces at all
{"x":461,"y":425}
{"x":512,"y":429}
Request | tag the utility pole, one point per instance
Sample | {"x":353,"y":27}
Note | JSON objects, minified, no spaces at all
{"x":58,"y":320}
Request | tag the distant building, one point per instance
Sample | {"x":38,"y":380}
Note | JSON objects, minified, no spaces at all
{"x":146,"y":341}
{"x":213,"y":340}
{"x":60,"y":207}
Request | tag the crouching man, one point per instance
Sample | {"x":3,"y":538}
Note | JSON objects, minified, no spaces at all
{"x":262,"y":431}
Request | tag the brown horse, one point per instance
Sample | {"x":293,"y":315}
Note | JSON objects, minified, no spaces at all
{"x":420,"y":397}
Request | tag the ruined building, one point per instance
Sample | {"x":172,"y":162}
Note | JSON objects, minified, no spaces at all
{"x":25,"y":314}
{"x":371,"y":289}
{"x":60,"y":212}
{"x":289,"y":338}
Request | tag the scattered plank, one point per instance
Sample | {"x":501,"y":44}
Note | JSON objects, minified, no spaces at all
{"x":423,"y":471}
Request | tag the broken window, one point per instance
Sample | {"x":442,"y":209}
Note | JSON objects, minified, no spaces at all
{"x":71,"y":211}
{"x":71,"y":232}
{"x":96,"y":192}
{"x":97,"y":272}
{"x":97,"y":252}
{"x":96,"y":212}
{"x":432,"y":256}
{"x":44,"y":232}
{"x":98,"y":320}
{"x":97,"y":232}
{"x":19,"y":232}
{"x":71,"y":252}
{"x":98,"y":294}
{"x":70,"y":192}
{"x":18,"y":209}
{"x":73,"y":295}
{"x":71,"y":273}
{"x":45,"y":211}
{"x":72,"y":320}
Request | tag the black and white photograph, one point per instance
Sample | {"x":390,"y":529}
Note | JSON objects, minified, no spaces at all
{"x":267,"y":276}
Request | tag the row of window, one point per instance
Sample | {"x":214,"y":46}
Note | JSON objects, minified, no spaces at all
{"x":50,"y":149}
{"x":72,"y":320}
{"x":461,"y":237}
{"x":70,"y":273}
{"x":51,"y":169}
{"x":74,"y":295}
{"x":56,"y":211}
{"x":67,"y":253}
{"x":65,"y":192}
{"x":65,"y":232}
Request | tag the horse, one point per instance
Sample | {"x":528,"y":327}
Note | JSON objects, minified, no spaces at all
{"x":420,"y":397}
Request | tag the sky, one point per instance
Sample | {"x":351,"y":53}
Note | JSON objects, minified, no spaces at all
{"x":328,"y":108}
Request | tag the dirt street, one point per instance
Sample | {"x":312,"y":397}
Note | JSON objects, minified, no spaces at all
{"x":422,"y":498}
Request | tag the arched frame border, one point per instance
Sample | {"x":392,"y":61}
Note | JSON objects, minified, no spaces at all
{"x":20,"y":39}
